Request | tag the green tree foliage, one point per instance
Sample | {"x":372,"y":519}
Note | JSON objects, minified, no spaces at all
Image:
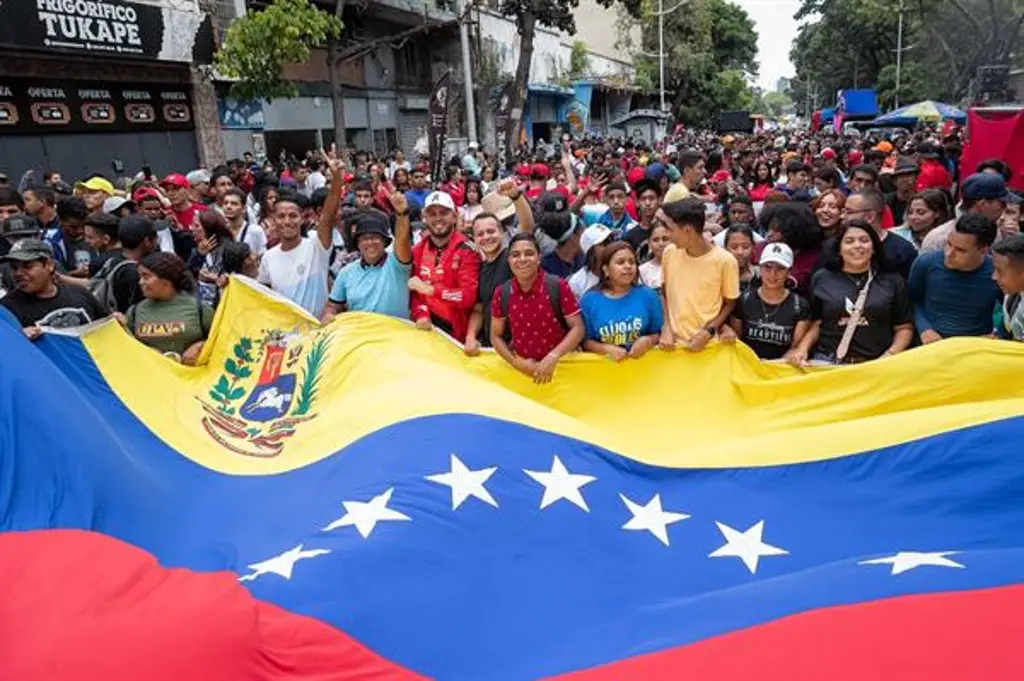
{"x":710,"y":51}
{"x":557,"y":14}
{"x":258,"y":45}
{"x":773,"y":104}
{"x":852,"y":43}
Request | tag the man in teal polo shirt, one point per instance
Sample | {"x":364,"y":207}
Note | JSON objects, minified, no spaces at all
{"x":379,"y":280}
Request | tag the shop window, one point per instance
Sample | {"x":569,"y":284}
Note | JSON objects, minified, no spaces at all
{"x":412,"y":64}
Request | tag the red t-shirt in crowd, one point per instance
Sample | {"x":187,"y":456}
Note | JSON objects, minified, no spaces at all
{"x":185,"y":216}
{"x":535,"y":329}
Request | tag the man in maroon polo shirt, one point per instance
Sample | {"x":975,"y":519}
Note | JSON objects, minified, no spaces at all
{"x":539,"y":310}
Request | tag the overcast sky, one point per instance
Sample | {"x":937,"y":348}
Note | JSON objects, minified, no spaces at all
{"x":775,"y":30}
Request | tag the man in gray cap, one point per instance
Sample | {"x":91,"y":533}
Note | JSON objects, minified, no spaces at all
{"x":983,"y":193}
{"x":39,"y":301}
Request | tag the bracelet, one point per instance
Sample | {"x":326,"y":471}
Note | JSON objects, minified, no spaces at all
{"x":402,"y":214}
{"x":710,"y":330}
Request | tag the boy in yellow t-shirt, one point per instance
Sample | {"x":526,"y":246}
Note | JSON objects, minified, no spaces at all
{"x":701,"y":281}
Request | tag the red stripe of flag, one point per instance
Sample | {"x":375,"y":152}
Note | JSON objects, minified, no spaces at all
{"x":78,"y":606}
{"x":950,"y":636}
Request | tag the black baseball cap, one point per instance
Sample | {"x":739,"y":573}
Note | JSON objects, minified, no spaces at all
{"x":28,"y":250}
{"x":21,"y":225}
{"x":552,"y":202}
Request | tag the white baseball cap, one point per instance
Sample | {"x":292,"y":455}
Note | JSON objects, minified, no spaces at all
{"x":778,"y":253}
{"x":443,"y":199}
{"x":594,"y":235}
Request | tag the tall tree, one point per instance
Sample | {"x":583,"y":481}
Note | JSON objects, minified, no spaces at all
{"x":710,"y":53}
{"x":557,"y":14}
{"x":258,"y":45}
{"x":852,"y":43}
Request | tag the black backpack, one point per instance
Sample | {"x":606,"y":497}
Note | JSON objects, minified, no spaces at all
{"x":552,"y":284}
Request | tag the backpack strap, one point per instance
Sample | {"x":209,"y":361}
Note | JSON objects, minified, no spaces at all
{"x":553,"y":286}
{"x":199,"y":310}
{"x":506,"y":293}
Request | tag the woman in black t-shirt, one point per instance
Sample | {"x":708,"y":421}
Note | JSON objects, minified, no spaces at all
{"x":853,"y":287}
{"x":770,"y":318}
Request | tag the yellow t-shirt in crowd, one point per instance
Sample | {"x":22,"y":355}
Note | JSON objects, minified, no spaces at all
{"x":696,"y":287}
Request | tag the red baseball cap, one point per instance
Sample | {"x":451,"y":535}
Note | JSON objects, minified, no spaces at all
{"x":146,"y":193}
{"x":828,"y":154}
{"x":175,"y":180}
{"x":721,"y":176}
{"x":540,"y":170}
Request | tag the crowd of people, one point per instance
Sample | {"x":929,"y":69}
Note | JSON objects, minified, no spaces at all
{"x":806,"y":248}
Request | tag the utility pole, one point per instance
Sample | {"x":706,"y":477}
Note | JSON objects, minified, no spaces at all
{"x":467,"y":68}
{"x":661,"y":52}
{"x":899,"y":53}
{"x":661,"y":44}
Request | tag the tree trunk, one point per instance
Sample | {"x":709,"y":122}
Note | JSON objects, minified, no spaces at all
{"x":527,"y":22}
{"x":337,"y":100}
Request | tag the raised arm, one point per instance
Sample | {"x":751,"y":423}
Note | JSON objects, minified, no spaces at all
{"x":330,"y":211}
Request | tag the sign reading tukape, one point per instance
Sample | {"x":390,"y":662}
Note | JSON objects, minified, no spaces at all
{"x":47,"y":106}
{"x":115,"y":28}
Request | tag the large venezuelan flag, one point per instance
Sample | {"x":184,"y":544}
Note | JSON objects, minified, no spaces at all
{"x":399,"y":511}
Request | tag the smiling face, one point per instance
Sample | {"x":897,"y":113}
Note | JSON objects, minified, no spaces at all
{"x":856,"y":250}
{"x":524,"y":260}
{"x":774,"y":276}
{"x":33,"y":277}
{"x":1009,"y":277}
{"x":828,"y":211}
{"x":288,"y":218}
{"x":487,"y":236}
{"x":371,"y":247}
{"x":440,"y":221}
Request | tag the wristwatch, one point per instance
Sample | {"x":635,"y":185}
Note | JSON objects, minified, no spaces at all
{"x":710,"y":330}
{"x":402,"y":214}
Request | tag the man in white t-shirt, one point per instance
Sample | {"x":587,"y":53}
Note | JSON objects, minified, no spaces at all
{"x":232,"y":205}
{"x":297,"y":267}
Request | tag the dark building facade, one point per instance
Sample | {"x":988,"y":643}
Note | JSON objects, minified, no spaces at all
{"x":105,"y":86}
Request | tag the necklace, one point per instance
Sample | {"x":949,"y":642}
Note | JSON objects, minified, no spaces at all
{"x":858,"y":279}
{"x":765,"y":315}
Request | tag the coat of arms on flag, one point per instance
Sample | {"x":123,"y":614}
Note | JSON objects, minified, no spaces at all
{"x":255,"y":419}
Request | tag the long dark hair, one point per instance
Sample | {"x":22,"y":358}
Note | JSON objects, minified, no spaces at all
{"x":214,"y":225}
{"x":171,"y":268}
{"x":938,"y":201}
{"x":834,"y":259}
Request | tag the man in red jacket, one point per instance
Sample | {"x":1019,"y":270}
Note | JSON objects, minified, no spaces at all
{"x":446,"y":271}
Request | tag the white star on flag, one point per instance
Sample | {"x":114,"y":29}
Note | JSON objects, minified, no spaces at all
{"x":908,"y":560}
{"x":747,"y":545}
{"x":465,"y":483}
{"x":366,"y":514}
{"x":282,"y":564}
{"x":651,"y":517}
{"x":559,"y":483}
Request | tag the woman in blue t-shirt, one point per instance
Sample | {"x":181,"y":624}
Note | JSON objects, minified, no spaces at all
{"x":623,"y":319}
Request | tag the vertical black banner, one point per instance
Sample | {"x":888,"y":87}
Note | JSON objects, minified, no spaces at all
{"x":437,"y":126}
{"x":501,"y":121}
